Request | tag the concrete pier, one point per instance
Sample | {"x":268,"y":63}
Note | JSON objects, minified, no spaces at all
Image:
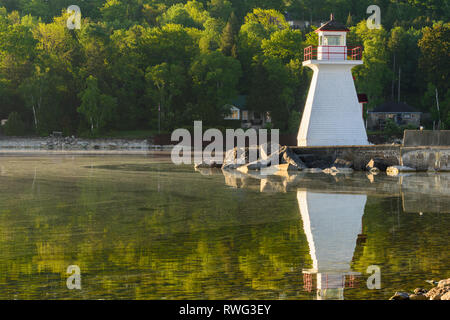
{"x":359,"y":155}
{"x":422,"y":150}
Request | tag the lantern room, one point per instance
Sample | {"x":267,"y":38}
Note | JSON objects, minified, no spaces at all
{"x":332,"y":41}
{"x":332,"y":37}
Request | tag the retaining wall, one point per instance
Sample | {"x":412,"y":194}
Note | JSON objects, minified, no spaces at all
{"x":420,"y":138}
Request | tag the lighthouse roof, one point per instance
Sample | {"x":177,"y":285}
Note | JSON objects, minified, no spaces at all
{"x":333,"y":25}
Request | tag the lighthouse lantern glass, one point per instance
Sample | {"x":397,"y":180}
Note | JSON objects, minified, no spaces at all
{"x":333,"y":41}
{"x":332,"y":45}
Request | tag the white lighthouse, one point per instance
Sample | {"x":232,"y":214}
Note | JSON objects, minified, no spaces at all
{"x":332,"y":115}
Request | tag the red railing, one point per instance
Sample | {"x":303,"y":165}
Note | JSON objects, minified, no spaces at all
{"x":333,"y":53}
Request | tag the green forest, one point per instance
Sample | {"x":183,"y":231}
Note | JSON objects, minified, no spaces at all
{"x":133,"y":62}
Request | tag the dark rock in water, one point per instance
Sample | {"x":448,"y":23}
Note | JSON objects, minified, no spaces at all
{"x":341,"y":163}
{"x":400,"y":296}
{"x":288,"y":156}
{"x":381,"y":164}
{"x":321,"y":164}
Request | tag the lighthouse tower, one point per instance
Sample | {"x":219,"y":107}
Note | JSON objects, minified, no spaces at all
{"x":332,"y":115}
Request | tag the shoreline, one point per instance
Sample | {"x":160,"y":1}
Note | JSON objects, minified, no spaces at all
{"x":32,"y":152}
{"x":78,"y":145}
{"x":337,"y":158}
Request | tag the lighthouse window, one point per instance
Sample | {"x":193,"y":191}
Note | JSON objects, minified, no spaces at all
{"x":333,"y":40}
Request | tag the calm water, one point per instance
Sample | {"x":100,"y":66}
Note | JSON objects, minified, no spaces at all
{"x":140,"y":228}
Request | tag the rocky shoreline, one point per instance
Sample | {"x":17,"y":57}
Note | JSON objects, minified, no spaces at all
{"x":287,"y":159}
{"x":59,"y":143}
{"x":441,"y":291}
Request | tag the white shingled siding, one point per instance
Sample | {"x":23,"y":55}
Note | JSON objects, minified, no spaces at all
{"x":332,"y":115}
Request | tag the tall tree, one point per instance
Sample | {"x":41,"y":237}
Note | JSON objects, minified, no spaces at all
{"x":404,"y":56}
{"x":98,"y":108}
{"x":373,"y":77}
{"x":435,"y":58}
{"x":228,"y":43}
{"x":168,"y":80}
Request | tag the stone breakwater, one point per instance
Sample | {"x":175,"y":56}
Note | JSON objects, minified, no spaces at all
{"x":389,"y":158}
{"x":78,"y":144}
{"x":441,"y":291}
{"x":392,"y":159}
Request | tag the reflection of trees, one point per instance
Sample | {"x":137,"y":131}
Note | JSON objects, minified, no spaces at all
{"x":132,"y":241}
{"x":409,"y":248}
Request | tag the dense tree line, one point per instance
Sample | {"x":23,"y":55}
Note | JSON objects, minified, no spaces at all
{"x":134,"y":61}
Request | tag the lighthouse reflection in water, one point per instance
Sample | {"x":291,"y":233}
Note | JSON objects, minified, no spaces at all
{"x":332,"y":225}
